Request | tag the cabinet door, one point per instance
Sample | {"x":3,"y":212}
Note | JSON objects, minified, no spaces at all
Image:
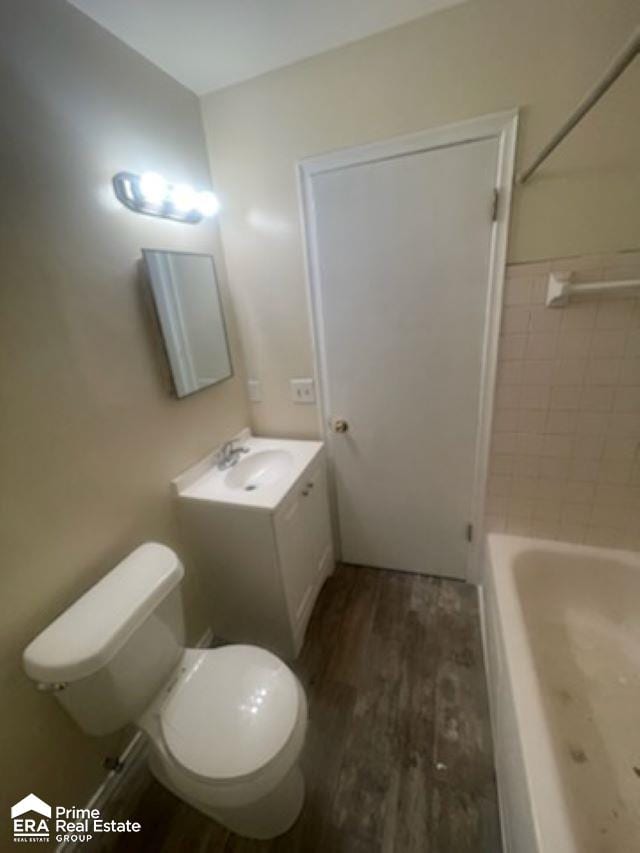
{"x":295,"y":550}
{"x":317,"y":522}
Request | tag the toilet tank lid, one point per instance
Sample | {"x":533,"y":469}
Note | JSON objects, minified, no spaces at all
{"x":88,"y":634}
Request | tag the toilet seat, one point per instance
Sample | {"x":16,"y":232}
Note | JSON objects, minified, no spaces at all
{"x":231,"y":715}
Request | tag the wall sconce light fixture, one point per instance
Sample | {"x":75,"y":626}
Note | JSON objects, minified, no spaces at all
{"x":150,"y":193}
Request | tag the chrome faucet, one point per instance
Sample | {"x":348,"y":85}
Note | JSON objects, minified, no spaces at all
{"x":228,"y":455}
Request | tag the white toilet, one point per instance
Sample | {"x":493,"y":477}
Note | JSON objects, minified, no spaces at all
{"x":226,"y":726}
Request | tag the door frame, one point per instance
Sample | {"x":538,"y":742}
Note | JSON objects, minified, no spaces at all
{"x":502,"y":126}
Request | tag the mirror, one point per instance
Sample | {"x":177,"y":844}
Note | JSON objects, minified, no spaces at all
{"x":185,"y":292}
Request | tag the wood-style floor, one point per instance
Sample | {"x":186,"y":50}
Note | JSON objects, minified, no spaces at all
{"x":398,"y":755}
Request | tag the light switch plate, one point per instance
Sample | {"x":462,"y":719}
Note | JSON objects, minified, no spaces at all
{"x":302,"y":390}
{"x":255,"y":390}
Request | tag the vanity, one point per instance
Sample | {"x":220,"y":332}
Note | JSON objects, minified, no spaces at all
{"x":259,"y":530}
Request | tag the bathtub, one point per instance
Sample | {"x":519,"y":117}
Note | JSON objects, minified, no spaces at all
{"x":561,"y":633}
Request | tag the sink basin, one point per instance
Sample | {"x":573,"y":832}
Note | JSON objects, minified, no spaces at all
{"x":259,"y":469}
{"x":260,"y":479}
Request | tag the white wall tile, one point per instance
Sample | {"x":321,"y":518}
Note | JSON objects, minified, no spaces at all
{"x":510,"y":372}
{"x":517,"y":291}
{"x":501,"y":463}
{"x":614,"y":471}
{"x":498,"y":486}
{"x":505,"y":420}
{"x":530,"y":444}
{"x":615,"y":314}
{"x":538,"y":372}
{"x":578,"y":315}
{"x":584,"y":470}
{"x":608,"y":343}
{"x":495,"y":523}
{"x":597,"y":398}
{"x":538,"y":292}
{"x":541,"y":345}
{"x":565,"y":459}
{"x":504,"y":442}
{"x":571,"y":532}
{"x":592,"y":423}
{"x":569,"y":371}
{"x":617,"y":448}
{"x":547,"y":510}
{"x":515,"y":318}
{"x":512,"y":346}
{"x":535,"y":397}
{"x":604,"y":371}
{"x":575,"y":343}
{"x":508,"y":396}
{"x":561,"y":423}
{"x":633,"y":344}
{"x":558,"y":446}
{"x":565,"y":397}
{"x":525,"y":466}
{"x":627,"y":399}
{"x":603,"y":537}
{"x":576,"y":513}
{"x":630,"y":371}
{"x":588,"y":446}
{"x":554,"y":469}
{"x":543,"y":320}
{"x":624,"y":424}
{"x":532,"y":421}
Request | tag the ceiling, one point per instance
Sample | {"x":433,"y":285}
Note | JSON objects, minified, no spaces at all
{"x":209,"y":44}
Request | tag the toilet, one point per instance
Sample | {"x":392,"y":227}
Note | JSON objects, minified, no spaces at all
{"x":225,"y":726}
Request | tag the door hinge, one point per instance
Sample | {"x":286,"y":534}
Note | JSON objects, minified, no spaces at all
{"x":494,"y":205}
{"x":469,"y":533}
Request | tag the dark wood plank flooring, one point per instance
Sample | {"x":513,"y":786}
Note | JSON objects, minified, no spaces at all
{"x":398,"y":757}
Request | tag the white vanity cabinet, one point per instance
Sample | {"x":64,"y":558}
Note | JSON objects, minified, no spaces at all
{"x":262,"y":558}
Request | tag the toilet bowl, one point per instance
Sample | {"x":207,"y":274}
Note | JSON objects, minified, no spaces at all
{"x":225,"y":726}
{"x":227,"y":735}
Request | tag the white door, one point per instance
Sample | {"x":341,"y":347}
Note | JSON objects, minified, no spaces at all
{"x":401,"y":255}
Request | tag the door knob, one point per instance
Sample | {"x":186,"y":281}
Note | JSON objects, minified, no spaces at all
{"x":339,"y":425}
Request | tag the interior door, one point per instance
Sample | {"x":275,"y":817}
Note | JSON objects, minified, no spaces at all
{"x":402,"y":249}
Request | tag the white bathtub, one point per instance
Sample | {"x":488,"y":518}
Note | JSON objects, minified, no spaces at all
{"x":561,"y":631}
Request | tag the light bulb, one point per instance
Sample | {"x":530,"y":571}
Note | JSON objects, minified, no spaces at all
{"x":208,"y":203}
{"x":153,"y":187}
{"x":184,"y":198}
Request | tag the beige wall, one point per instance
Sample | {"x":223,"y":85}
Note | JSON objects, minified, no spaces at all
{"x":90,"y":435}
{"x":565,"y":457}
{"x":480,"y":57}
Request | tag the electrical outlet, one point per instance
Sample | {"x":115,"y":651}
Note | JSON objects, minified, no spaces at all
{"x":302,"y":390}
{"x":255,"y":390}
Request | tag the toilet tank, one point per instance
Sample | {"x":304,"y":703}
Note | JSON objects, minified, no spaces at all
{"x":109,"y":654}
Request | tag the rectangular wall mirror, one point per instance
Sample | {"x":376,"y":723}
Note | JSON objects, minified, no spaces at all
{"x":187,"y":300}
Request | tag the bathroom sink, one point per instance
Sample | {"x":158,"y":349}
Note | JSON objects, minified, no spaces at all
{"x":261,"y":478}
{"x":260,"y":469}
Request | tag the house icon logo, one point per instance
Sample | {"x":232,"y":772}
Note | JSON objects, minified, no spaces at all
{"x":30,"y":818}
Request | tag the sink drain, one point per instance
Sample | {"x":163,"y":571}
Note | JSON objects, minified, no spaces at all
{"x":250,"y":488}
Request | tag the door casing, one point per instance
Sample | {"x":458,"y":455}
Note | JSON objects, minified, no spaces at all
{"x":501,"y":126}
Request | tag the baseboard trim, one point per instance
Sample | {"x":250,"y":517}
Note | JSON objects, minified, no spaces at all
{"x":131,"y":759}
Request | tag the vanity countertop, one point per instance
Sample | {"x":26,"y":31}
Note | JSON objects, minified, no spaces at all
{"x":260,"y":479}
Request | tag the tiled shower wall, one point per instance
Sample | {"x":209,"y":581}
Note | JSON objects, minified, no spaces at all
{"x":565,"y":455}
